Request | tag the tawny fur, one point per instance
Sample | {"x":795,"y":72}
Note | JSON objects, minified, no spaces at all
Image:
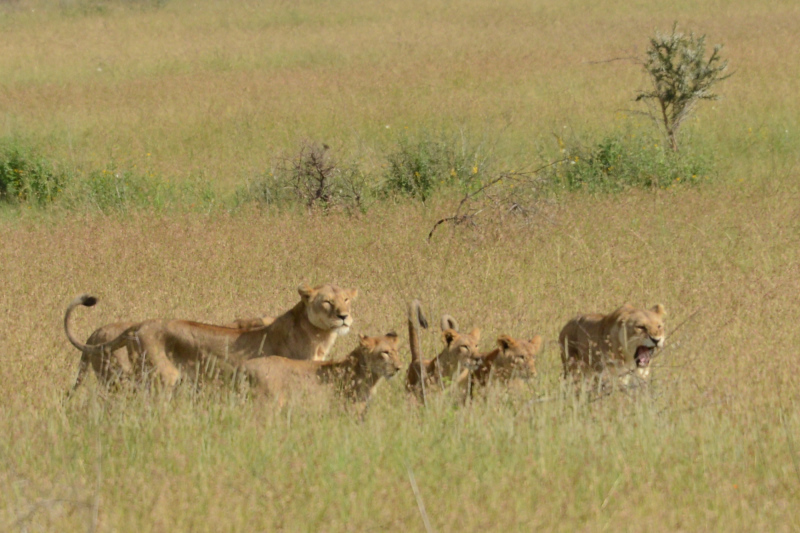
{"x":452,"y":360}
{"x":512,"y":359}
{"x":355,"y":377}
{"x":176,"y":347}
{"x":621,"y":343}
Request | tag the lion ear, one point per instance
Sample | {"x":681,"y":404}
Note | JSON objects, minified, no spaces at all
{"x":364,"y":340}
{"x":659,"y":310}
{"x":536,"y":342}
{"x":305,"y":291}
{"x":505,"y":342}
{"x":475,"y":334}
{"x":449,"y":336}
{"x":392,"y":336}
{"x":352,"y":294}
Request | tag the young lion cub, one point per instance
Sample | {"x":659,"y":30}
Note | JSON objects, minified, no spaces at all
{"x":355,"y":377}
{"x":512,"y":359}
{"x":455,"y":355}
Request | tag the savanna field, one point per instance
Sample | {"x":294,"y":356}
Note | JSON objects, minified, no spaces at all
{"x":163,"y":135}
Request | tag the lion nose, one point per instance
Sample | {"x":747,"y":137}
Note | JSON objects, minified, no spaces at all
{"x":341,"y":317}
{"x":655,"y":341}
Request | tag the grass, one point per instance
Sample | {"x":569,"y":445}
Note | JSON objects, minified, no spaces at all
{"x":710,"y":445}
{"x":188,"y":88}
{"x":188,"y":102}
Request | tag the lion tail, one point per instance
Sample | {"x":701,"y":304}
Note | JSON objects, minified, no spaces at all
{"x":416,"y":319}
{"x":448,"y":322}
{"x":89,"y":301}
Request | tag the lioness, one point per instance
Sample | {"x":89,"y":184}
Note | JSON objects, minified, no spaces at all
{"x":111,"y":368}
{"x":458,"y":349}
{"x":307,"y":331}
{"x":114,"y":368}
{"x":621,"y":343}
{"x":355,"y":377}
{"x":512,"y":359}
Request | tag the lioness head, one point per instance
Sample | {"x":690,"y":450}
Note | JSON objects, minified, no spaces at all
{"x":641,"y":332}
{"x":328,"y":306}
{"x":380,"y":354}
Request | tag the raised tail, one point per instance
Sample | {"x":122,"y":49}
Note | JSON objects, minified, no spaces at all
{"x":89,"y":301}
{"x":448,"y":322}
{"x":415,"y":319}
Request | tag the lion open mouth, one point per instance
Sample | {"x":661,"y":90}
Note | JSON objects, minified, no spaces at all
{"x":643,"y":355}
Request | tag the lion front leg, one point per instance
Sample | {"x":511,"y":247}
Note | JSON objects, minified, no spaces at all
{"x":151,"y":349}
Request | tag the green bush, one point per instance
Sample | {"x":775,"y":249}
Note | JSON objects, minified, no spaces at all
{"x":418,"y":167}
{"x":27,"y":178}
{"x":623,"y":161}
{"x":114,"y":189}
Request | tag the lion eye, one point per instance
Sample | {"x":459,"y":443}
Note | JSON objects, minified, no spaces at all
{"x":641,"y":328}
{"x":327,"y":305}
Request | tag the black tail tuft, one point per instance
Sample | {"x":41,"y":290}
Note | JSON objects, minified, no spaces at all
{"x":88,"y":301}
{"x":421,"y":318}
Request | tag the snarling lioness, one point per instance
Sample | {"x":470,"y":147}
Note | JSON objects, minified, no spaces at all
{"x":355,"y":377}
{"x":176,"y":347}
{"x":620,"y":344}
{"x":449,"y":365}
{"x":513,"y":359}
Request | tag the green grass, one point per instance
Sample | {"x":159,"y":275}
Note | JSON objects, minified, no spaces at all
{"x":223,"y":89}
{"x":163,"y":113}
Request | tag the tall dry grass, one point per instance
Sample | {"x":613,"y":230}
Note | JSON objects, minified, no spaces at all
{"x":711,"y":444}
{"x":215,"y":91}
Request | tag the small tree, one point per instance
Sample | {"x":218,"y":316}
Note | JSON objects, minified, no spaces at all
{"x":681,"y":77}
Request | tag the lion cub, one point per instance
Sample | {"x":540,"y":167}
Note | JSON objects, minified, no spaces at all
{"x":512,"y":359}
{"x":450,"y":364}
{"x":621,"y":343}
{"x":355,"y":377}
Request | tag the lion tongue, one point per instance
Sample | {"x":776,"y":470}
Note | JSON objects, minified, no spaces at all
{"x":643,"y":355}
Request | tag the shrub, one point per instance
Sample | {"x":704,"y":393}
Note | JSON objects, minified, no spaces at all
{"x":312,"y":176}
{"x":112,"y":189}
{"x":418,"y":168}
{"x":681,"y":77}
{"x":622,"y":161}
{"x":26,"y":177}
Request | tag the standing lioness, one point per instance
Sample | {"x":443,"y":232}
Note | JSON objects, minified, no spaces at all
{"x":621,"y":343}
{"x":307,"y":331}
{"x":112,"y":369}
